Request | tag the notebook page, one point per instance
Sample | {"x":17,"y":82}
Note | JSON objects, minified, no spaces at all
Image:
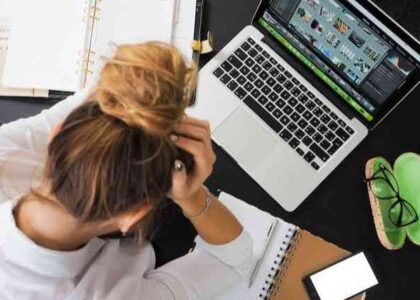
{"x":127,"y":22}
{"x":184,"y":24}
{"x":5,"y":30}
{"x":257,"y":223}
{"x":47,"y":39}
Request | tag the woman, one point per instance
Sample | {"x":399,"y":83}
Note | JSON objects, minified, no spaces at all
{"x":106,"y":169}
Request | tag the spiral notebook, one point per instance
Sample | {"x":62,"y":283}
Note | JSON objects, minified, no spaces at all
{"x":59,"y":45}
{"x":292,"y":254}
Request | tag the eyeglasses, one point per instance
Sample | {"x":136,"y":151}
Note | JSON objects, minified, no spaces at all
{"x":385,"y":187}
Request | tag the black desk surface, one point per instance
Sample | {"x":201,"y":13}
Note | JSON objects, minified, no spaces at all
{"x":338,"y":210}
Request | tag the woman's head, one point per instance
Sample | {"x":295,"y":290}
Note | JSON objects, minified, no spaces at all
{"x":113,"y":154}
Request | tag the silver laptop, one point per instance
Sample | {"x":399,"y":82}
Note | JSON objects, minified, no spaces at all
{"x":295,"y":92}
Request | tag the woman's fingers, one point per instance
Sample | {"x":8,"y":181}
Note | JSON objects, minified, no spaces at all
{"x":196,"y":122}
{"x":194,"y":132}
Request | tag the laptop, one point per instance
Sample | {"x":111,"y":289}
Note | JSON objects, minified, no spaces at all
{"x":296,"y":91}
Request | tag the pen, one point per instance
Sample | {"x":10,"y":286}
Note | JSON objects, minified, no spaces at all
{"x":267,"y":242}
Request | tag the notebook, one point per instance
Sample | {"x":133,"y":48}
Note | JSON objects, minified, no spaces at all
{"x":60,"y":45}
{"x":292,"y":254}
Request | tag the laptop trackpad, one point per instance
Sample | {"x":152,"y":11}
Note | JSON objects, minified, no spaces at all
{"x":244,"y":139}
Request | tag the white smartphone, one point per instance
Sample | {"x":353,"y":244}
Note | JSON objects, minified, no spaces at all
{"x":342,"y":280}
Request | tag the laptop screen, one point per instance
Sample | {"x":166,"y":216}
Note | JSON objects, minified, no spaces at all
{"x":363,"y":64}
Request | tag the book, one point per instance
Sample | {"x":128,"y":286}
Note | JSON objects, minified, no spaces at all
{"x":292,"y":254}
{"x":62,"y":45}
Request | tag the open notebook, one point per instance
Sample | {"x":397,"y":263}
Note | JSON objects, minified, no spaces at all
{"x":292,"y":254}
{"x":59,"y":45}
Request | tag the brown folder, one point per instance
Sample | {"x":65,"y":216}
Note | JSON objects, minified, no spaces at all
{"x":307,"y":254}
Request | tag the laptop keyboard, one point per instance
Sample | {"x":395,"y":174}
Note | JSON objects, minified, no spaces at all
{"x":285,"y":104}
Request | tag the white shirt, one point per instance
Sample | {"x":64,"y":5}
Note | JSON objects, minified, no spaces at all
{"x":102,"y":269}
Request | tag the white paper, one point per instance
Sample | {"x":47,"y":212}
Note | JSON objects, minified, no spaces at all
{"x":128,"y":22}
{"x":47,"y":39}
{"x":184,"y":24}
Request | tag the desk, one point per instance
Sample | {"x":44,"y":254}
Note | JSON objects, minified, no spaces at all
{"x":339,"y":209}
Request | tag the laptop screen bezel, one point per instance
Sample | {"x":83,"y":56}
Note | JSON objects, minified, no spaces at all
{"x":391,"y":24}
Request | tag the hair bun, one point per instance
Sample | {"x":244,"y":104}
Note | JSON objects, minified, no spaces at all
{"x":146,"y":86}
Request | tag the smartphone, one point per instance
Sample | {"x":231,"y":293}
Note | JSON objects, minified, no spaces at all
{"x":344,"y":279}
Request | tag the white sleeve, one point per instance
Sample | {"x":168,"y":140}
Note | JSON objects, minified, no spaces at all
{"x":207,"y":272}
{"x":23,"y":145}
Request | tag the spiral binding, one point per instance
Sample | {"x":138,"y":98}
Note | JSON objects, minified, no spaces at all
{"x":280,"y":264}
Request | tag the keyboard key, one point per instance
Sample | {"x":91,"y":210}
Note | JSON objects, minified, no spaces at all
{"x":307,"y":115}
{"x":292,"y":127}
{"x":309,"y":157}
{"x":218,"y":72}
{"x":288,"y":85}
{"x":349,"y":130}
{"x":225,"y":78}
{"x":266,"y":55}
{"x":263,"y":114}
{"x":310,"y":105}
{"x":333,"y":149}
{"x":318,"y":112}
{"x":333,"y":116}
{"x":285,"y":95}
{"x":303,"y":99}
{"x":338,"y":142}
{"x":294,"y":143}
{"x":263,"y":100}
{"x":277,"y":113}
{"x":270,"y":106}
{"x":240,"y":92}
{"x":322,"y":129}
{"x":251,"y":41}
{"x":300,"y":151}
{"x":257,"y":69}
{"x":310,"y":130}
{"x":266,"y":90}
{"x":300,"y":108}
{"x":251,"y":77}
{"x":292,"y":102}
{"x":260,"y":59}
{"x":342,"y":123}
{"x":284,"y":120}
{"x":255,"y":93}
{"x":278,"y":88}
{"x":280,"y":103}
{"x":342,"y":134}
{"x":299,"y":134}
{"x":281,"y":68}
{"x":315,"y":166}
{"x":287,"y":74}
{"x":303,"y":88}
{"x":248,"y":86}
{"x":273,"y":97}
{"x":270,"y":81}
{"x":258,"y":47}
{"x":232,"y":85}
{"x":318,"y":102}
{"x":310,"y":95}
{"x":244,"y":70}
{"x":295,"y":81}
{"x":315,"y":122}
{"x":267,"y":66}
{"x":302,"y":124}
{"x":286,"y":135}
{"x":317,"y":137}
{"x":296,"y":92}
{"x":326,"y":109}
{"x":287,"y":110}
{"x":249,"y":62}
{"x":234,"y":73}
{"x":226,"y":66}
{"x":295,"y":117}
{"x":330,"y":136}
{"x":332,"y":125}
{"x":307,"y":140}
{"x":246,"y":46}
{"x":263,"y":75}
{"x":325,"y":144}
{"x":235,"y":61}
{"x":241,"y":80}
{"x":274,"y":72}
{"x":281,"y":78}
{"x":259,"y":83}
{"x":252,"y":52}
{"x":326,"y":119}
{"x":273,"y":61}
{"x":241,"y":54}
{"x":319,"y":152}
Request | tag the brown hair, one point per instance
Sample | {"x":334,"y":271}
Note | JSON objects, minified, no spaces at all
{"x":113,"y":153}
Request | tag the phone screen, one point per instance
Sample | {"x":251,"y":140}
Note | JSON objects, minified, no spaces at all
{"x":345,"y":279}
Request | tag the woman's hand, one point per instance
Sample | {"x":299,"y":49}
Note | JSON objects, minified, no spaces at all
{"x":193,"y":136}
